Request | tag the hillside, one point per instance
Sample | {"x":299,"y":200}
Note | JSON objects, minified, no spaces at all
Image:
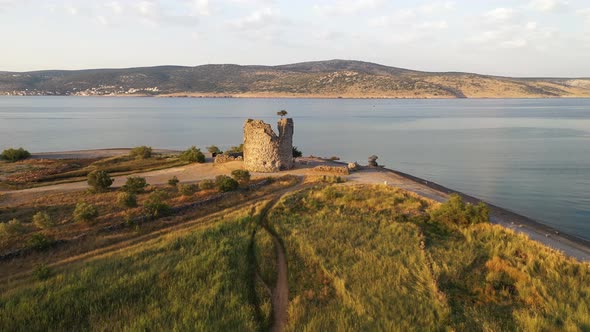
{"x":364,"y":257}
{"x":331,"y":79}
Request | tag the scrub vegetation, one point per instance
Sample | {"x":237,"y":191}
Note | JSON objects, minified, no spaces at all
{"x":359,"y":257}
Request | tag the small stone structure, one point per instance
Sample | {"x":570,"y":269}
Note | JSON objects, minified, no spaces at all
{"x":266,"y":152}
{"x":373,"y":161}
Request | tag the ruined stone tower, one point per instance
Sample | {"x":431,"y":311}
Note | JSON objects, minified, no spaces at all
{"x":264,"y":151}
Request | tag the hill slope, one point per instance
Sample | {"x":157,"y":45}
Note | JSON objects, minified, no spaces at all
{"x":334,"y":78}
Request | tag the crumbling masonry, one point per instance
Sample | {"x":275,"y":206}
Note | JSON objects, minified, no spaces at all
{"x":266,"y":152}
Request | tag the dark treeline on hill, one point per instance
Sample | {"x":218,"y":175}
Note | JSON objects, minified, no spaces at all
{"x":332,"y":79}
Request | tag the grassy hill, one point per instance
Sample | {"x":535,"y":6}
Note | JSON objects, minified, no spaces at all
{"x":361,"y":257}
{"x":334,"y":78}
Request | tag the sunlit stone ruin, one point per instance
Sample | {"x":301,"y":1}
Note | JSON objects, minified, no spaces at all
{"x":266,"y":152}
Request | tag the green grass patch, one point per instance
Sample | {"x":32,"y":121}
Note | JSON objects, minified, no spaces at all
{"x":196,"y":280}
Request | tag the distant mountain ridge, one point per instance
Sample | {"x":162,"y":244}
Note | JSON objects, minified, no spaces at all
{"x":329,"y":79}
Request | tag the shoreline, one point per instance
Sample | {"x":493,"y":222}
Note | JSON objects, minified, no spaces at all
{"x":535,"y":230}
{"x":569,"y":244}
{"x":311,"y":96}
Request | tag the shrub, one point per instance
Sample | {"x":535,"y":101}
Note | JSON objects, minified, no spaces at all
{"x":40,"y":241}
{"x":99,"y":181}
{"x":296,"y":152}
{"x":134,"y":185}
{"x":455,"y":211}
{"x":85,"y":212}
{"x":224,"y":183}
{"x":236,"y":149}
{"x":13,"y":155}
{"x":333,"y":179}
{"x":155,"y":206}
{"x":141,"y":152}
{"x":43,"y":220}
{"x":214,"y":150}
{"x":11,"y":228}
{"x":241,"y":175}
{"x":193,"y":155}
{"x":127,"y":199}
{"x":173,"y":182}
{"x":187,"y":189}
{"x":206,"y":184}
{"x":42,"y":272}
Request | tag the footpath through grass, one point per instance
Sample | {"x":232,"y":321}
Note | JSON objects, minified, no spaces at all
{"x":190,"y":280}
{"x":379,"y":258}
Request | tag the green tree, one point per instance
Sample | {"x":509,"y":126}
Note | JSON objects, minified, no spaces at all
{"x":225,"y":183}
{"x":155,"y":206}
{"x":241,"y":175}
{"x":193,"y":155}
{"x":187,"y":189}
{"x":127,"y":199}
{"x":40,"y":241}
{"x":135,"y":185}
{"x":85,"y":212}
{"x":141,"y":152}
{"x":206,"y":184}
{"x":236,"y":149}
{"x":214,"y":150}
{"x":43,"y":220}
{"x":11,"y":228}
{"x":99,"y":181}
{"x":296,"y":152}
{"x":14,"y":155}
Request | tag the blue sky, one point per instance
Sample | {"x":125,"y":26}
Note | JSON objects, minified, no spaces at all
{"x":516,"y":38}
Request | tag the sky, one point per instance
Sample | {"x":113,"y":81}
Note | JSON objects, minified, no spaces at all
{"x":535,"y":38}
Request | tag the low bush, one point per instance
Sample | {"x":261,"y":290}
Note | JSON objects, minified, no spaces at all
{"x":187,"y":189}
{"x":43,"y":220}
{"x":135,"y":185}
{"x":192,"y":155}
{"x":173,"y":182}
{"x":241,"y":175}
{"x":127,"y":199}
{"x":333,"y":179}
{"x":42,"y":272}
{"x":455,"y":211}
{"x":11,"y":228}
{"x":13,"y":155}
{"x":39,"y":241}
{"x":141,"y":152}
{"x":236,"y":149}
{"x":155,"y":206}
{"x":225,"y":183}
{"x":85,"y":212}
{"x":99,"y":181}
{"x":206,"y":185}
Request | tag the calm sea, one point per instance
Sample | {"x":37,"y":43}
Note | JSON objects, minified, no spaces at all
{"x":530,"y":156}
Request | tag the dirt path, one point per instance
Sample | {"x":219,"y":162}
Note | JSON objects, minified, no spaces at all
{"x":280,"y":292}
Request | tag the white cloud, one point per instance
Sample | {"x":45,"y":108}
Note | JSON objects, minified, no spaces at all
{"x":347,"y":7}
{"x":201,"y":7}
{"x":433,"y":25}
{"x":437,"y":7}
{"x":258,"y":19}
{"x":499,"y":14}
{"x":584,"y":13}
{"x":548,"y":5}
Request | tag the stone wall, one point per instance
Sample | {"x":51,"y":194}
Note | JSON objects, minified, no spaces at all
{"x":266,"y":152}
